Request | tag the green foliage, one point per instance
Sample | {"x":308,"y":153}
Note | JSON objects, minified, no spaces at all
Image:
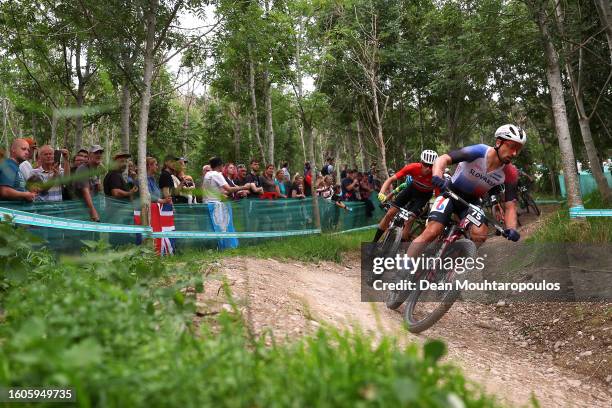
{"x":18,"y":256}
{"x":118,"y":327}
{"x":559,"y":228}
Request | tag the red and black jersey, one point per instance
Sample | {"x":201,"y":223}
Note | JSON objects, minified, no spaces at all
{"x":419,"y":181}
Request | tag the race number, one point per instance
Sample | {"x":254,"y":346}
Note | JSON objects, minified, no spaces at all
{"x":475,"y":215}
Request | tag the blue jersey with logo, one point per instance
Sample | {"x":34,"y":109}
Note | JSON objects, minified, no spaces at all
{"x":471,"y":177}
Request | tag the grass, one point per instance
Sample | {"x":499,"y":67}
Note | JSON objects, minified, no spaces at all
{"x":558,"y":227}
{"x":118,"y":328}
{"x":309,"y":248}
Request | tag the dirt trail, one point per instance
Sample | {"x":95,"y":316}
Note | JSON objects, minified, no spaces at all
{"x":293,"y":298}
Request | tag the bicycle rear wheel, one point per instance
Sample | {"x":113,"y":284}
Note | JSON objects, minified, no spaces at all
{"x":388,"y":246}
{"x":424,"y":306}
{"x":532,"y":204}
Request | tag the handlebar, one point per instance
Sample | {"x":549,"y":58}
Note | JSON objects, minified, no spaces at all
{"x":450,"y":193}
{"x":387,"y":204}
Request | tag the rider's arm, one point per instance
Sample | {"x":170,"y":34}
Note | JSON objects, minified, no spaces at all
{"x":510,"y":195}
{"x":387,"y":183}
{"x":441,"y":163}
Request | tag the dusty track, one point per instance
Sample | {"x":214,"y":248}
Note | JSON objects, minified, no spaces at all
{"x":292,"y":298}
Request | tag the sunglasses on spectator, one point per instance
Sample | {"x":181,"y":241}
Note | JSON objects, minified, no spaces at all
{"x":241,"y":166}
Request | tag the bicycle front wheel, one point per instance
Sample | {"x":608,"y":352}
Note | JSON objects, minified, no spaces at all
{"x":427,"y":304}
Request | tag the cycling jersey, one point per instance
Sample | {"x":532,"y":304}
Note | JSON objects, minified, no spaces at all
{"x":419,"y":181}
{"x":471,"y":177}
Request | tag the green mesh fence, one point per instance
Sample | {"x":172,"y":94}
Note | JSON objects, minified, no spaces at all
{"x":249,"y":215}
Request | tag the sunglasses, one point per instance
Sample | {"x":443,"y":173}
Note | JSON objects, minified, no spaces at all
{"x":427,"y":165}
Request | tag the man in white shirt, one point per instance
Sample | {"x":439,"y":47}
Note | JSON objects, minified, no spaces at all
{"x":215,"y":186}
{"x":25,"y":167}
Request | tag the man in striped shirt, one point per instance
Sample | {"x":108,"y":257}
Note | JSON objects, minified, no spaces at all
{"x":49,"y":170}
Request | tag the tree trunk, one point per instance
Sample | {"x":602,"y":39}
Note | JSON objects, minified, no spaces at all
{"x":583,"y":118}
{"x":78,"y":134}
{"x":311,"y":147}
{"x":4,"y":125}
{"x":126,"y":101}
{"x":350,"y":148}
{"x":254,"y":118}
{"x":380,"y":141}
{"x":145,"y":104}
{"x":364,"y":160}
{"x":553,"y":75}
{"x":269,"y":126}
{"x":235,"y":115}
{"x":54,"y":128}
{"x":605,"y":16}
{"x":303,"y":143}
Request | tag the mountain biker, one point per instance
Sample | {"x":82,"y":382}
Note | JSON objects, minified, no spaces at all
{"x":417,"y":194}
{"x":480,"y":168}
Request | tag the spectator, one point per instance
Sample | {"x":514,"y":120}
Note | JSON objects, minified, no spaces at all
{"x":350,"y":186}
{"x":270,"y":189}
{"x":168,"y":182}
{"x":281,"y":184}
{"x":181,"y":164}
{"x":325,"y":187}
{"x":25,"y":167}
{"x":88,"y":180}
{"x":328,"y":169}
{"x":80,"y":158}
{"x":343,"y":171}
{"x":297,"y":188}
{"x":115,"y":185}
{"x":364,"y":194}
{"x":215,"y":186}
{"x":12,"y":183}
{"x":187,"y":186}
{"x":154,"y":190}
{"x":307,"y":179}
{"x":50,"y":169}
{"x":241,"y":175}
{"x":372,"y":173}
{"x":337,"y":198}
{"x":254,"y":177}
{"x":286,"y":172}
{"x":230,"y":173}
{"x":132,"y":175}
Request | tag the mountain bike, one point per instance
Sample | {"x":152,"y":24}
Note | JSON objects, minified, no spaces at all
{"x":391,"y":240}
{"x":526,"y":201}
{"x":426,"y":305}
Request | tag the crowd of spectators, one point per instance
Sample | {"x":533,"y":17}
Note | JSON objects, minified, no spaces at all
{"x":31,"y":174}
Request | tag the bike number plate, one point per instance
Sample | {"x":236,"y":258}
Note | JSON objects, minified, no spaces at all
{"x":475,"y":216}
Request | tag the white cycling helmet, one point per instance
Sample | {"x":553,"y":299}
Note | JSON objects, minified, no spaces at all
{"x":428,"y":156}
{"x":511,"y":132}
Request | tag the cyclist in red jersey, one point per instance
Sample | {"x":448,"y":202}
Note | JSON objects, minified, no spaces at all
{"x":414,"y":197}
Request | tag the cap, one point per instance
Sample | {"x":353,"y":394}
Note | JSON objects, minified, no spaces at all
{"x":121,"y":154}
{"x":30,"y":141}
{"x":183,"y":159}
{"x":82,"y":151}
{"x":96,"y":149}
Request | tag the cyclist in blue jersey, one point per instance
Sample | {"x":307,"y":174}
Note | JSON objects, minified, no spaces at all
{"x":479,"y":169}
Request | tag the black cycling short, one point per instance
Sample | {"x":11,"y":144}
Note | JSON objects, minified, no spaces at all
{"x":412,"y":199}
{"x":443,"y":208}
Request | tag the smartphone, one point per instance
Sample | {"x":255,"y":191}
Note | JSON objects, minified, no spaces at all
{"x":57,"y":156}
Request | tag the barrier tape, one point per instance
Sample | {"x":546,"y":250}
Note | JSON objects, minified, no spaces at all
{"x":37,"y":220}
{"x":356,"y":229}
{"x":579,"y":211}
